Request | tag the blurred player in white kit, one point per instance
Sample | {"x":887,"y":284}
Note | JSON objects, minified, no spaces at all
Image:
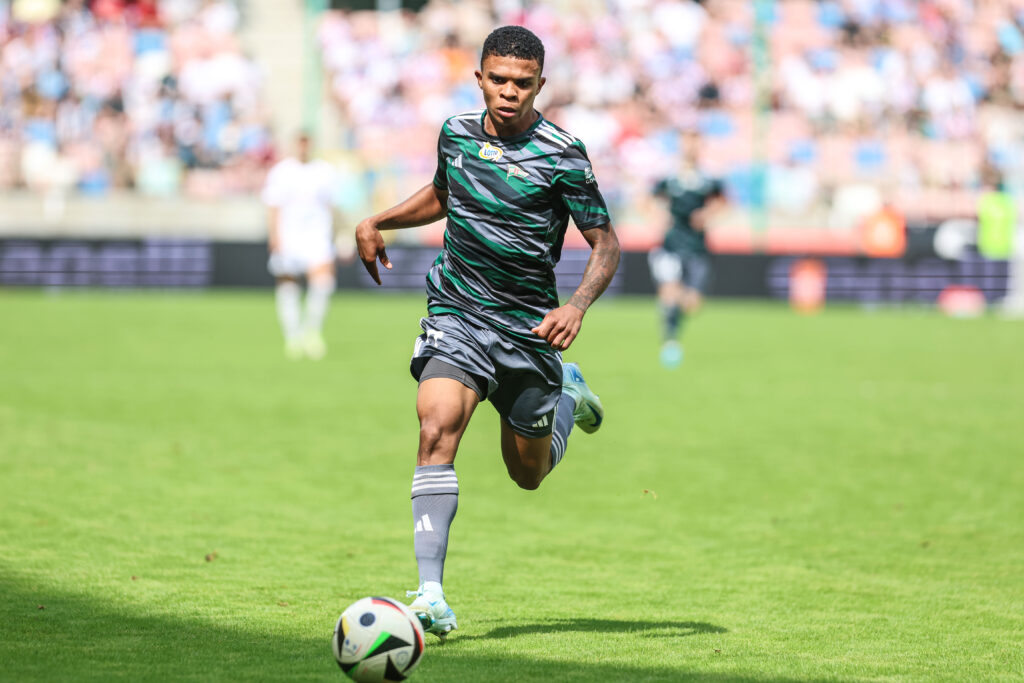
{"x":299,"y":193}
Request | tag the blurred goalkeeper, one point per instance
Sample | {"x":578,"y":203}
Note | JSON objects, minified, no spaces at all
{"x":681,"y":267}
{"x":298,"y":193}
{"x":508,"y":181}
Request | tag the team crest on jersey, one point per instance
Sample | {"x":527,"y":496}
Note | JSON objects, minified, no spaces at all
{"x":588,"y":174}
{"x":515,"y":172}
{"x":490,"y":152}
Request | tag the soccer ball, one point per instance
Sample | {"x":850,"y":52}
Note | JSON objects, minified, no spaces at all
{"x":378,"y":639}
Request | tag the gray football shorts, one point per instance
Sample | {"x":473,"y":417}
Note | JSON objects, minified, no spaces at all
{"x":690,"y":269}
{"x":521,"y":383}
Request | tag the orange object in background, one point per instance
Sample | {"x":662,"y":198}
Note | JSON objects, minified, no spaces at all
{"x":807,"y":284}
{"x":883,"y":234}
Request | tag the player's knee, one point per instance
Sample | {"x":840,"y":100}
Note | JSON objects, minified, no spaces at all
{"x":529,"y":481}
{"x":431,"y":435}
{"x":323,"y":282}
{"x":436,"y":436}
{"x":527,"y":475}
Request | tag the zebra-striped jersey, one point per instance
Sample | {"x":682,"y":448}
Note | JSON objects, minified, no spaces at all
{"x":509,"y":204}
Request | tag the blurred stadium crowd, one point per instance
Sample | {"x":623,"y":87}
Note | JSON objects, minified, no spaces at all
{"x":858,"y":103}
{"x":815,"y":111}
{"x":151,"y":95}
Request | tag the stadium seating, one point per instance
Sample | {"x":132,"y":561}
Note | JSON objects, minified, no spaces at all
{"x":152,"y":97}
{"x":157,"y":98}
{"x":895,"y":94}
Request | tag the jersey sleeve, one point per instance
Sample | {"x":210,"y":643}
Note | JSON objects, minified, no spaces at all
{"x":441,"y":174}
{"x":575,"y":183}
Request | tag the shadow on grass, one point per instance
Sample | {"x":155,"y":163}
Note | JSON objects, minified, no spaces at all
{"x":648,"y":629}
{"x":79,"y":637}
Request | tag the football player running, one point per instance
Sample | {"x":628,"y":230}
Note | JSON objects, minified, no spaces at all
{"x":299,"y":198}
{"x":681,"y":266}
{"x":507,"y":181}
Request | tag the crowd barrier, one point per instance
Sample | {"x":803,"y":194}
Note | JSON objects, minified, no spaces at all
{"x":918,"y":277}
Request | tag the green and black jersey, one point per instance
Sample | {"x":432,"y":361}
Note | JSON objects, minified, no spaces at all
{"x":686,"y":194}
{"x":509,"y":204}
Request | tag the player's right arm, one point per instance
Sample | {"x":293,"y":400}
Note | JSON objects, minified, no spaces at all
{"x":426,"y":205}
{"x":273,"y":196}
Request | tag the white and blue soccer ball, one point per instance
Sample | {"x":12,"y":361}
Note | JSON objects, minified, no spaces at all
{"x":378,"y":639}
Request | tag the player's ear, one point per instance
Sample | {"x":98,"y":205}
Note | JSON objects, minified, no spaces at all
{"x":479,"y":79}
{"x":540,"y":83}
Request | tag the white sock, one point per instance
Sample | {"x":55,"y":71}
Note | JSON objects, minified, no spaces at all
{"x":287,"y":295}
{"x":318,"y":298}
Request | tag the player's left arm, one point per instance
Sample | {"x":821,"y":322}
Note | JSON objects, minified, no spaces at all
{"x":273,"y":229}
{"x":561,"y":325}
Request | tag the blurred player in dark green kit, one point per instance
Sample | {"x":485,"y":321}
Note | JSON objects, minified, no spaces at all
{"x":507,"y":181}
{"x":681,"y":266}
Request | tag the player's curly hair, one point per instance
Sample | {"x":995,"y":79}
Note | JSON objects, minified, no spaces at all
{"x":513,"y":41}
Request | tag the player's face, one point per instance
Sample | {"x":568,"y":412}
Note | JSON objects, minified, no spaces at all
{"x":510,"y":85}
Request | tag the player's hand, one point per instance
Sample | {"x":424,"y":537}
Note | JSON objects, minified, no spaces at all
{"x":560,"y":326}
{"x":370,"y":246}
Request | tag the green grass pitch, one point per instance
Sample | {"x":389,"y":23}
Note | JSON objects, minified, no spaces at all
{"x":838,"y":497}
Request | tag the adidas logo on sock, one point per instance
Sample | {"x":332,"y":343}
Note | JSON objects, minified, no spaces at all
{"x":423,"y":524}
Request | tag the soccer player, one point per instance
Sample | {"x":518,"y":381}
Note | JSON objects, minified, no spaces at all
{"x":680,"y":267}
{"x":508,"y":180}
{"x":298,"y":194}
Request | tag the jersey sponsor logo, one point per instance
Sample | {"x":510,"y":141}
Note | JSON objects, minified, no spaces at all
{"x":456,"y":162}
{"x":515,"y":172}
{"x":490,"y":153}
{"x":588,"y":175}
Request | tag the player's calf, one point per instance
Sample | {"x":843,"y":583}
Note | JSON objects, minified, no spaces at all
{"x":528,"y":460}
{"x":524,"y":479}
